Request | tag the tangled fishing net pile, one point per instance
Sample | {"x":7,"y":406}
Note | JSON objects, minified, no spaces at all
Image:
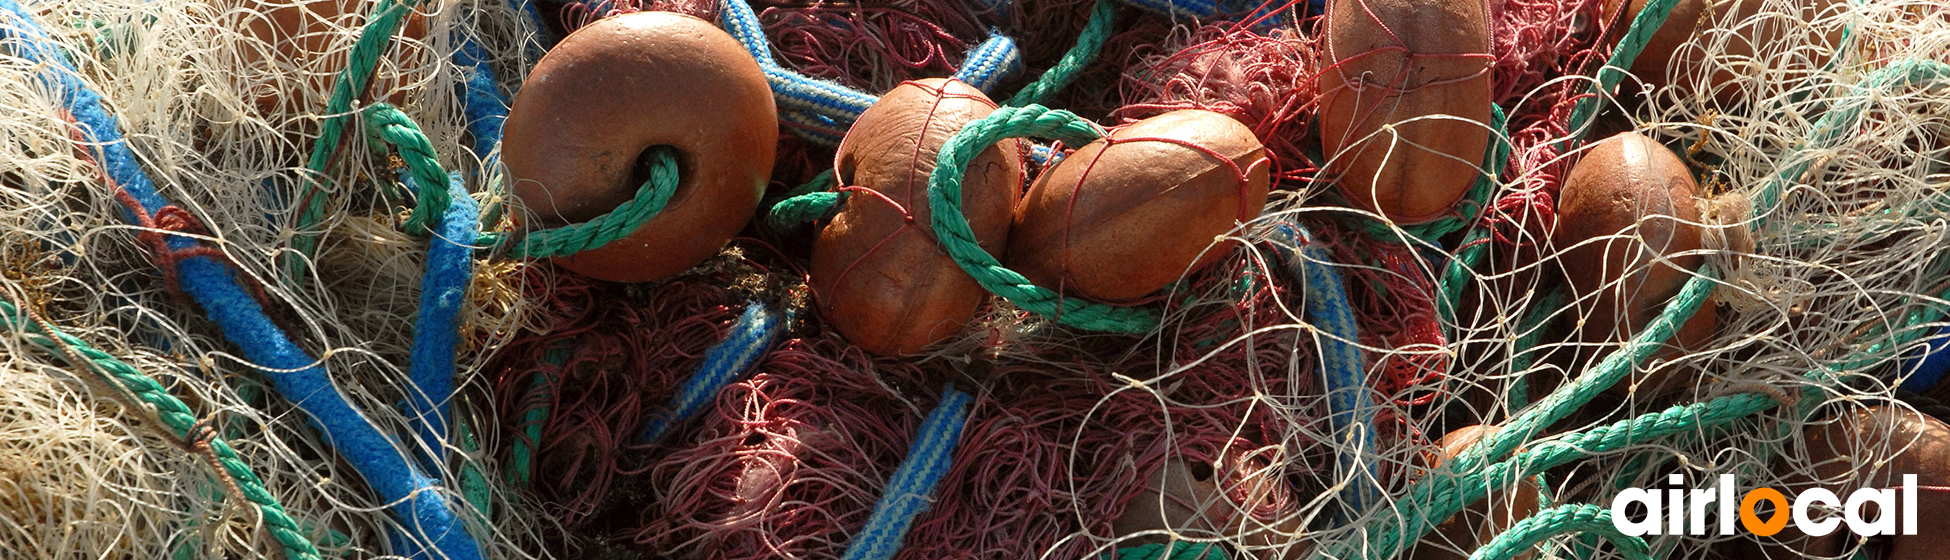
{"x":240,"y":321}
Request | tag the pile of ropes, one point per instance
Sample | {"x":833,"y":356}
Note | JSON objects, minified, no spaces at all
{"x":263,"y":294}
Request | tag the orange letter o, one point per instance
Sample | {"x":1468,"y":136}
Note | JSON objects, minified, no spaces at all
{"x":1752,"y":522}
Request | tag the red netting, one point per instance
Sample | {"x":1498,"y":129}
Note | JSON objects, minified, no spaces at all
{"x":790,"y":462}
{"x":872,"y":45}
{"x":1534,"y":41}
{"x":630,"y":348}
{"x":1265,"y":81}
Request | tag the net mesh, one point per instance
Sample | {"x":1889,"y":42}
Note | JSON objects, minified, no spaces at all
{"x":1069,"y":429}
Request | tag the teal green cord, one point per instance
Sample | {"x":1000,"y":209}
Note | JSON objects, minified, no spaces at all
{"x":1089,"y":43}
{"x":352,"y":83}
{"x":176,"y":416}
{"x":1581,"y":518}
{"x":805,"y":203}
{"x":1173,"y":551}
{"x":619,"y":223}
{"x":951,"y":228}
{"x":473,"y":484}
{"x":388,"y":123}
{"x":1644,"y":26}
{"x":522,"y":458}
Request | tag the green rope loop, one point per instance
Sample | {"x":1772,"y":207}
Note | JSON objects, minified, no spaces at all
{"x":1089,"y":43}
{"x":352,"y":82}
{"x":1177,"y":550}
{"x":605,"y":229}
{"x":1644,"y":26}
{"x":951,"y":228}
{"x":389,"y":124}
{"x":175,"y":415}
{"x":1495,"y":157}
{"x":1581,"y":518}
{"x":805,"y":203}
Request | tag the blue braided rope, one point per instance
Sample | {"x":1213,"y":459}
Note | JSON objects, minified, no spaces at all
{"x":542,"y":40}
{"x":820,"y":110}
{"x":486,"y":111}
{"x":485,"y":107}
{"x":793,"y":91}
{"x":912,"y":488}
{"x":1351,"y":412}
{"x":723,"y":364}
{"x":991,"y":62}
{"x":436,"y":338}
{"x":414,"y":497}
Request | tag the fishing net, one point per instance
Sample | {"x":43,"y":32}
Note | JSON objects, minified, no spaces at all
{"x":1256,"y":416}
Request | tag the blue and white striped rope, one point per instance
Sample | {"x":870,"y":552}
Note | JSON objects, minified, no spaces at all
{"x":912,"y":489}
{"x":994,"y":60}
{"x":821,"y":110}
{"x":723,"y":364}
{"x":415,"y":498}
{"x":1351,"y":411}
{"x":793,"y":91}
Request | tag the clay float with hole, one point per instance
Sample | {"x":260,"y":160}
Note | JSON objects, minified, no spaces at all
{"x":1628,"y":221}
{"x":1479,"y":523}
{"x":1405,"y":108}
{"x":882,"y":279}
{"x":1122,"y":217}
{"x":576,"y":139}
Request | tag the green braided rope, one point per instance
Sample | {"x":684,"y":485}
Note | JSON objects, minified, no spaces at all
{"x":1173,"y":551}
{"x":1495,"y":157}
{"x":804,"y":209}
{"x":1615,"y":367}
{"x":1556,"y":521}
{"x":1644,"y":26}
{"x":352,"y":82}
{"x":473,"y":484}
{"x":602,"y":230}
{"x":1446,"y":492}
{"x":176,"y":416}
{"x":1089,"y":43}
{"x":951,"y":228}
{"x":391,"y":125}
{"x":805,"y":203}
